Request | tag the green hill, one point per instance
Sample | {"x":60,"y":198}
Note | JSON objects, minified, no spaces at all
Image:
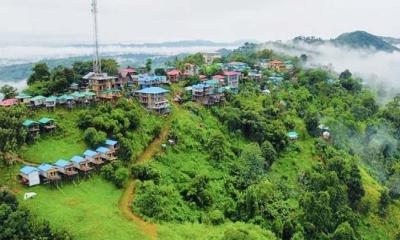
{"x":361,"y":39}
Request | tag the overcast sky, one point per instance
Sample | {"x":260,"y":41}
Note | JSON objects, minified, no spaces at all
{"x":69,"y":21}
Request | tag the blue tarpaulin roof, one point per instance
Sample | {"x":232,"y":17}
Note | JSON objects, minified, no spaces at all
{"x":77,"y":159}
{"x":110,"y":142}
{"x":153,"y":90}
{"x":90,"y":153}
{"x":102,"y":150}
{"x":28,"y":169}
{"x":45,"y":167}
{"x":62,"y":163}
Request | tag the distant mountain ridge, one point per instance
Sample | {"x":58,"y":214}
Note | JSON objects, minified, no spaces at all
{"x":184,"y":43}
{"x":357,"y":39}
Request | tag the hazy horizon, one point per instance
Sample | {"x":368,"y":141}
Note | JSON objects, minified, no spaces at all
{"x":48,"y":22}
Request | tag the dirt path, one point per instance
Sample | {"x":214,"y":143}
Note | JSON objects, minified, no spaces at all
{"x":127,"y":197}
{"x":25,"y":162}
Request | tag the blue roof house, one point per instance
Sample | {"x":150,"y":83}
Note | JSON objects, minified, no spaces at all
{"x":154,"y":98}
{"x":93,"y":157}
{"x":49,"y":172}
{"x":106,"y":154}
{"x":112,"y":144}
{"x":29,"y":176}
{"x":81,"y":163}
{"x":65,"y":167}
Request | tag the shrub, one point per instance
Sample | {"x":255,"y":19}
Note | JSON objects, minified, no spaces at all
{"x":94,"y":138}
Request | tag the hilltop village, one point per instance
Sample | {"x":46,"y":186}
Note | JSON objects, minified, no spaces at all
{"x":249,"y":144}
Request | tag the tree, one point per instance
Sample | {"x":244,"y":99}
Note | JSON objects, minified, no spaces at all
{"x":312,"y":122}
{"x":269,"y":153}
{"x":8,"y":91}
{"x":217,"y":147}
{"x":40,"y":73}
{"x":250,"y":167}
{"x":120,"y":176}
{"x":160,"y":72}
{"x":344,"y":232}
{"x":94,"y":138}
{"x":196,"y":191}
{"x":346,"y":74}
{"x":355,"y":188}
{"x":384,"y":201}
{"x":149,"y":62}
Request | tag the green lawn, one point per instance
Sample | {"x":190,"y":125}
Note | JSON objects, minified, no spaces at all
{"x":88,"y":210}
{"x":66,"y":142}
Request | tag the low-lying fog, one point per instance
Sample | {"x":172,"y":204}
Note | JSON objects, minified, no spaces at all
{"x":379,"y":70}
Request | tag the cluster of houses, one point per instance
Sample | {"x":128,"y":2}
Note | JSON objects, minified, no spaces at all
{"x":66,"y":170}
{"x":68,"y":100}
{"x":149,"y":87}
{"x":34,"y":127}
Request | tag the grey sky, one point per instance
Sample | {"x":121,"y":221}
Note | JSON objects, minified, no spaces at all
{"x":66,"y":21}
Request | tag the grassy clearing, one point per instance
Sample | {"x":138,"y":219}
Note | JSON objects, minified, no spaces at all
{"x":63,"y":144}
{"x":88,"y":210}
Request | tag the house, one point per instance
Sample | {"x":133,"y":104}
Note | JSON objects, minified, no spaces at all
{"x":293,"y":135}
{"x":29,"y":176}
{"x":37,"y":101}
{"x":112,"y":145}
{"x":81,"y":163}
{"x":47,"y":123}
{"x":190,"y":70}
{"x":32,"y":126}
{"x":78,"y":97}
{"x":104,"y":86}
{"x":127,"y":75}
{"x":146,"y":81}
{"x":207,"y":93}
{"x":49,"y":172}
{"x":8,"y":102}
{"x":255,"y":76}
{"x":74,"y":87}
{"x":154,"y":98}
{"x":89,"y":97}
{"x":51,"y":102}
{"x":174,"y":76}
{"x":232,"y":80}
{"x":202,"y":77}
{"x":67,"y":100}
{"x":93,"y":157}
{"x":237,"y":66}
{"x":210,"y":57}
{"x":277,"y":65}
{"x":66,"y":168}
{"x":23,"y":99}
{"x":106,"y":154}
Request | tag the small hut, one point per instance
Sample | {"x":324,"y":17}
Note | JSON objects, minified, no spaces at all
{"x":93,"y":157}
{"x":81,"y":163}
{"x":32,"y":126}
{"x":29,"y":176}
{"x":293,"y":136}
{"x":89,"y":97}
{"x":112,"y":145}
{"x":66,"y":167}
{"x":23,"y":99}
{"x":49,"y":172}
{"x":38,"y":101}
{"x":106,"y":154}
{"x":51,"y":102}
{"x":47,"y":124}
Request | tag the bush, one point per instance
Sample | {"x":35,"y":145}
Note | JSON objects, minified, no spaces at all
{"x":145,"y":172}
{"x":94,"y":138}
{"x":216,"y":217}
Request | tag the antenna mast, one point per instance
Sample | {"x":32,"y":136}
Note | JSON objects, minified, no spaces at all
{"x":96,"y":58}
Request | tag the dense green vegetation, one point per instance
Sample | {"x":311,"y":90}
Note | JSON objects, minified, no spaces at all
{"x":231,"y":171}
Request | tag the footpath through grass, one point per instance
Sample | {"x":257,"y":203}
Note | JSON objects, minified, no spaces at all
{"x":88,"y":210}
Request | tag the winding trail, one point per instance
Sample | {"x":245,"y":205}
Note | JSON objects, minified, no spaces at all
{"x":125,"y":202}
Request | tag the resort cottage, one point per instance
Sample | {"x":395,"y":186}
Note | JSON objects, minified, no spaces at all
{"x":29,"y":176}
{"x":48,"y":172}
{"x":154,"y":98}
{"x":32,"y":126}
{"x":106,"y":154}
{"x":81,"y":163}
{"x":112,"y":145}
{"x":66,"y":168}
{"x":37,"y":101}
{"x":47,"y":123}
{"x":93,"y":157}
{"x":51,"y":102}
{"x":23,"y":99}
